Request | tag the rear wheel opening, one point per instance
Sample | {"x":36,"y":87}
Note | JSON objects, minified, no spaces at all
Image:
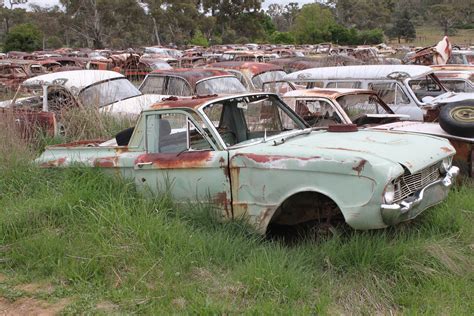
{"x":305,"y":215}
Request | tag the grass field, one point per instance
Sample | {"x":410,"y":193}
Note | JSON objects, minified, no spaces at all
{"x":430,"y":35}
{"x":77,"y":241}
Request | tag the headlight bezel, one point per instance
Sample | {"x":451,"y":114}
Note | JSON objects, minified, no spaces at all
{"x":389,"y":193}
{"x":445,"y":164}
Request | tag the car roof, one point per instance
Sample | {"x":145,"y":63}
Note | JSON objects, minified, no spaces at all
{"x":192,"y":75}
{"x":357,"y":72}
{"x":197,"y":102}
{"x":254,"y":67}
{"x":79,"y":79}
{"x":328,"y":93}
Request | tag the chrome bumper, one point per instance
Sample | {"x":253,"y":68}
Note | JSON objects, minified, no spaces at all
{"x":412,"y":206}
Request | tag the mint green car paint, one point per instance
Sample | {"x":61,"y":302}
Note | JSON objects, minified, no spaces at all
{"x":252,"y":178}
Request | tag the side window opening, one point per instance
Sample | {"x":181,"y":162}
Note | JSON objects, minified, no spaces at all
{"x":173,"y":133}
{"x":390,"y":93}
{"x":344,"y":84}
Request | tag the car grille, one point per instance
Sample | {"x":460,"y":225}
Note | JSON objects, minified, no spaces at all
{"x":411,"y":183}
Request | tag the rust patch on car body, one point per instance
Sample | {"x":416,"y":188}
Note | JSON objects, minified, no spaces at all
{"x":106,"y":162}
{"x":446,"y":149}
{"x":176,"y":160}
{"x":54,"y":163}
{"x":270,"y":158}
{"x":360,"y":166}
{"x":222,"y":199}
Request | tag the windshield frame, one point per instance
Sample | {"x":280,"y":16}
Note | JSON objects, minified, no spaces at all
{"x":108,"y":80}
{"x":284,"y":107}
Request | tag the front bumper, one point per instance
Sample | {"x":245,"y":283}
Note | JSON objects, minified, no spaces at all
{"x":412,"y":206}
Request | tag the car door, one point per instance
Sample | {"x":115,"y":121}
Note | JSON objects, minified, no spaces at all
{"x":183,"y":160}
{"x":396,"y":98}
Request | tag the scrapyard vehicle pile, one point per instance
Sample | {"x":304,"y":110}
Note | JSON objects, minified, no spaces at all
{"x":334,"y":143}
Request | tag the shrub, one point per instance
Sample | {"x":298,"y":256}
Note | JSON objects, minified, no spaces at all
{"x":23,"y":37}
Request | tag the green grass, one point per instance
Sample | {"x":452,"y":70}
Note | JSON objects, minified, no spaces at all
{"x":95,"y":239}
{"x":428,"y":35}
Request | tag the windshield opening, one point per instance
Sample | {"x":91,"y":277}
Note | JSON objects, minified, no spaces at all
{"x":108,"y":92}
{"x":274,"y":75}
{"x":426,"y":86}
{"x":222,"y":85}
{"x":247,"y":119}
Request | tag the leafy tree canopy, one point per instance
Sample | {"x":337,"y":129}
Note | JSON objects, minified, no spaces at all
{"x":23,"y":37}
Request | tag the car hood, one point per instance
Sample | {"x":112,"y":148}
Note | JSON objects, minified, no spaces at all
{"x":413,"y":151}
{"x":133,"y":105}
{"x":450,"y":97}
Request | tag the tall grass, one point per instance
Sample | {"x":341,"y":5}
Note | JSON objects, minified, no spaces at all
{"x":95,"y":238}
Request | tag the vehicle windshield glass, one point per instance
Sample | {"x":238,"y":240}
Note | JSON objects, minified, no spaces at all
{"x":426,"y":86}
{"x":458,"y":85}
{"x":222,"y":85}
{"x":276,"y":75}
{"x":108,"y":92}
{"x":247,"y":119}
{"x":358,"y":105}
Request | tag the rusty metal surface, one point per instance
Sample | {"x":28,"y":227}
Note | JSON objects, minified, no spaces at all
{"x":254,"y":67}
{"x":192,"y":75}
{"x":30,"y":123}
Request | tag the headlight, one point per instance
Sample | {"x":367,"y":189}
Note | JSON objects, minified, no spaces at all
{"x":389,"y":194}
{"x":445,"y":165}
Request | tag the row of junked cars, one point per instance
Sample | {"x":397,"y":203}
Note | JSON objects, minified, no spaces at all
{"x":317,"y":145}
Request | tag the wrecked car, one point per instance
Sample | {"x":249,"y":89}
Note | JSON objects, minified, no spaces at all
{"x":321,"y":108}
{"x":408,"y":89}
{"x":191,"y":81}
{"x":109,"y":91}
{"x":457,"y":78}
{"x":253,"y":157}
{"x":252,"y":74}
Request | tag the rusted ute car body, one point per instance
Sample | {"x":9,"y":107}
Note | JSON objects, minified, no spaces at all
{"x":407,"y":89}
{"x":252,"y":74}
{"x":191,"y":81}
{"x":256,"y":158}
{"x":323,"y":107}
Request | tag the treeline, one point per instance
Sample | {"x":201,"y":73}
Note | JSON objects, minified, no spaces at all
{"x":133,"y":23}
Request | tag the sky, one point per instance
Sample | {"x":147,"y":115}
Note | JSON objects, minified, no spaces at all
{"x":47,"y":3}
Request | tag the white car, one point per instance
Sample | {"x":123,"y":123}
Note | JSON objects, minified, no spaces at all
{"x":109,"y":91}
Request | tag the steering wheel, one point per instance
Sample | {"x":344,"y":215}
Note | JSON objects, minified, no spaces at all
{"x":360,"y":120}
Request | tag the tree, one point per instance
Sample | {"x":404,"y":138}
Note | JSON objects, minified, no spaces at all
{"x":446,"y":15}
{"x":403,"y":27}
{"x":199,"y":39}
{"x":282,"y":38}
{"x":23,"y":37}
{"x":313,"y":24}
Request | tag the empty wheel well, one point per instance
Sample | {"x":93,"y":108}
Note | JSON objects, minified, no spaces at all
{"x":306,"y":207}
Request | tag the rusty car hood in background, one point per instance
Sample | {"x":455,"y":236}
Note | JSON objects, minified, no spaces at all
{"x":413,"y":151}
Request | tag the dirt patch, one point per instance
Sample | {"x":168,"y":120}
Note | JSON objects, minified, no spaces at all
{"x":31,"y":306}
{"x":179,"y":303}
{"x":36,"y":288}
{"x":107,"y":307}
{"x":3,"y":278}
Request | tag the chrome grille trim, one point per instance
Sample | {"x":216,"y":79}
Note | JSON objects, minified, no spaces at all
{"x":411,"y":183}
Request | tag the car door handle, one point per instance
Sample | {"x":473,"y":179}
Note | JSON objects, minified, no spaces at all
{"x":141,"y":164}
